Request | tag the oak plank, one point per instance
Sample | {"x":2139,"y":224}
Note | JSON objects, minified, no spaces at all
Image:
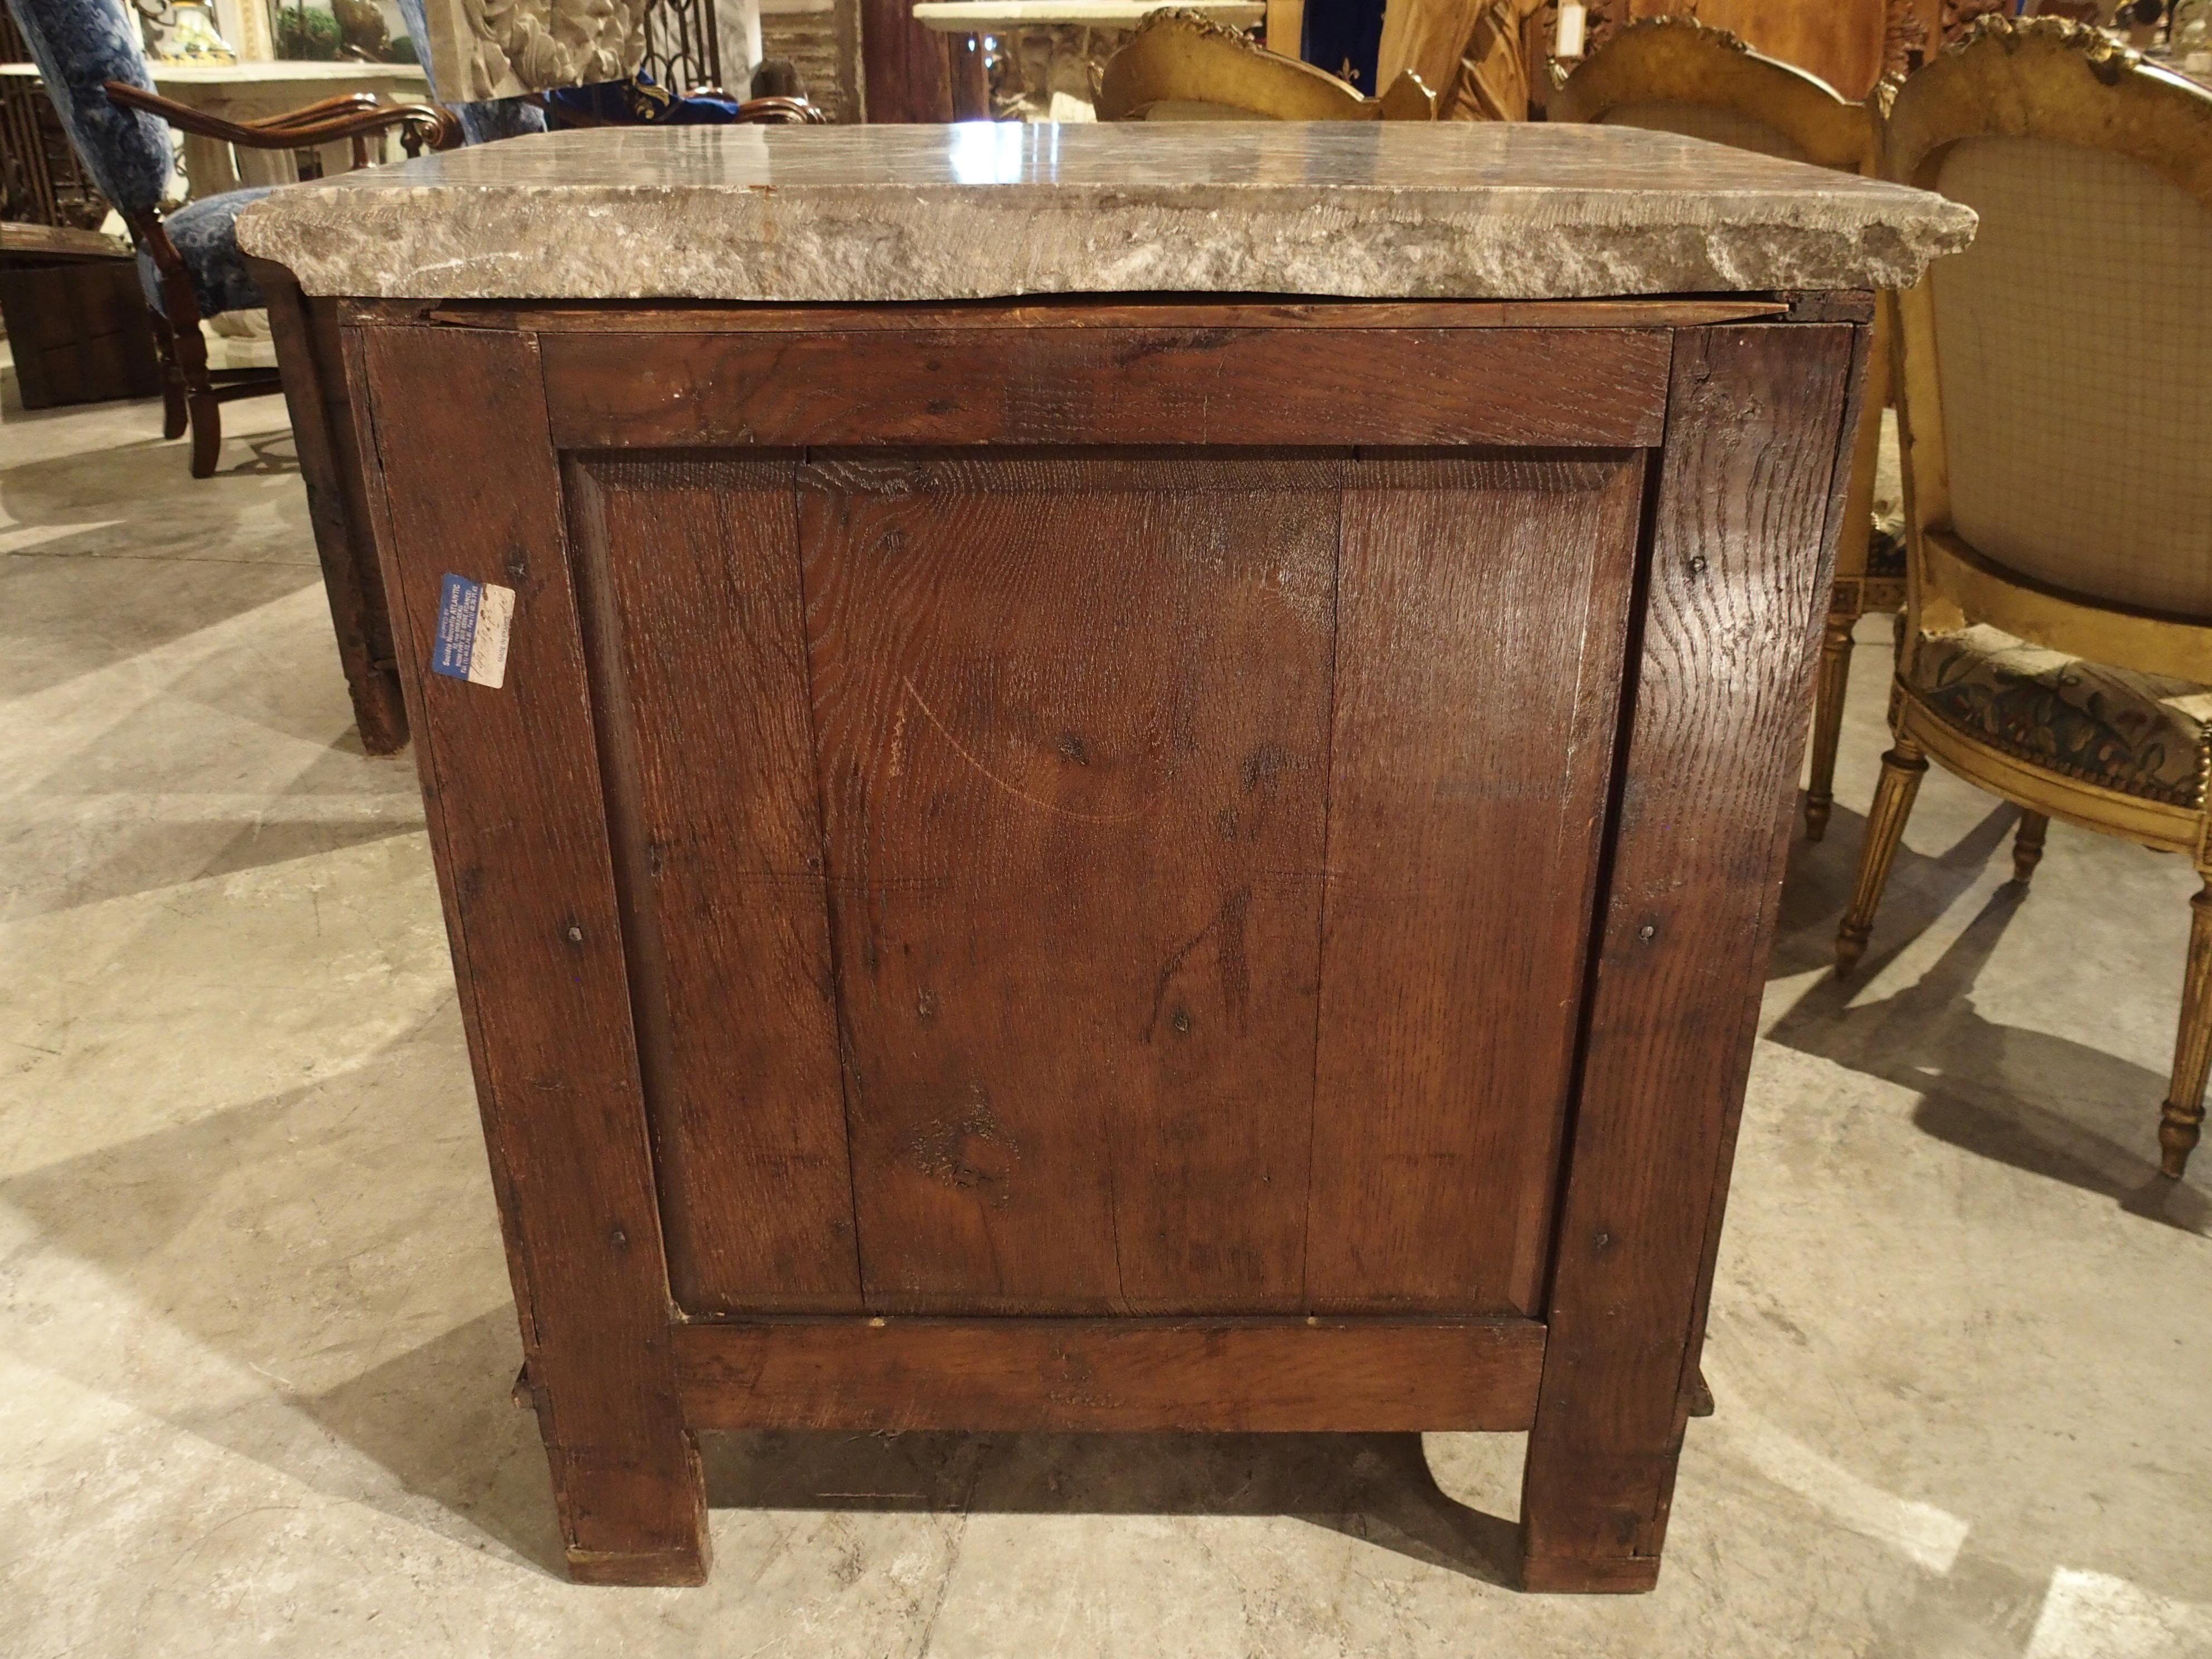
{"x":1074,"y":845}
{"x":888,"y":1376}
{"x":1743,"y":543}
{"x":1482,"y":616}
{"x":513,"y":796}
{"x":689,"y":573}
{"x":1080,"y":311}
{"x":1112,"y":386}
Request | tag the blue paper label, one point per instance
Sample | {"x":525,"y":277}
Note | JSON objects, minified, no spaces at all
{"x":458,"y":608}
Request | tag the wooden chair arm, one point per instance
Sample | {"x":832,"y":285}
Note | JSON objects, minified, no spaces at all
{"x":420,"y":124}
{"x":345,"y":102}
{"x":777,"y":110}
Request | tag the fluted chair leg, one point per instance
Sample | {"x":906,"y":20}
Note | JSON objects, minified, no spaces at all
{"x":2027,"y":845}
{"x":1902,"y":768}
{"x":1828,"y":721}
{"x":2182,"y":1119}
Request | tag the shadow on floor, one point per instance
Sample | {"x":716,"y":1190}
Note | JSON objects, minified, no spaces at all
{"x":137,"y":498}
{"x":2038,"y":1102}
{"x":1375,"y":1487}
{"x":242,"y":1230}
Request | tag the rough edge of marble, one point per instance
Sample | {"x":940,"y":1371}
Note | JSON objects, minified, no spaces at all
{"x":873,"y":242}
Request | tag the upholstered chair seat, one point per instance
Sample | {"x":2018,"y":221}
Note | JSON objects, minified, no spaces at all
{"x":205,"y":233}
{"x":2140,"y":734}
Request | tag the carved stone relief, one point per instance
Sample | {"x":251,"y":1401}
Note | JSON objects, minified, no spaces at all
{"x":498,"y":48}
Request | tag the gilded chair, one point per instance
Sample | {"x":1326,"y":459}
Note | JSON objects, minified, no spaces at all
{"x":89,"y":54}
{"x":2055,"y":398}
{"x":1179,"y":66}
{"x":1676,"y":74}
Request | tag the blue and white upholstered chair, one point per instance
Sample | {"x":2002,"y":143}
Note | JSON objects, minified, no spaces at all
{"x":89,"y":54}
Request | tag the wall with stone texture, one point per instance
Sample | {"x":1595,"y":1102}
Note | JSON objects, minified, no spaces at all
{"x":826,"y":47}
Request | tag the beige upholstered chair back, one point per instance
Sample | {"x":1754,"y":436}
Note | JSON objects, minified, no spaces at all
{"x":1179,"y":66}
{"x":2060,"y":389}
{"x":1732,"y":127}
{"x":1675,"y":74}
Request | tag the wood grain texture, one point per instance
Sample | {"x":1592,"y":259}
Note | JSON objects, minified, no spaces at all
{"x":1482,"y":611}
{"x":1164,"y":385}
{"x":1074,"y":838}
{"x":313,"y":370}
{"x":689,"y":574}
{"x":1075,"y":1375}
{"x":905,"y":69}
{"x":517,"y":821}
{"x":1077,"y":311}
{"x":1743,"y":539}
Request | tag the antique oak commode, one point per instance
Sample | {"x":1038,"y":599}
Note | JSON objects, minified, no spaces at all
{"x":1174,"y":857}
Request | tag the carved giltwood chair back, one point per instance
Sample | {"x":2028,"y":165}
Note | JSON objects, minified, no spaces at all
{"x":1676,"y":74}
{"x":1179,"y":66}
{"x":2056,"y":397}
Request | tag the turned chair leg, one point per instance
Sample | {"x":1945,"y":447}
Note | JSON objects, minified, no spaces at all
{"x":206,"y":411}
{"x":2181,"y":1119}
{"x":175,"y":412}
{"x":207,"y":433}
{"x":2027,"y":845}
{"x":1828,"y":715}
{"x":1902,"y":768}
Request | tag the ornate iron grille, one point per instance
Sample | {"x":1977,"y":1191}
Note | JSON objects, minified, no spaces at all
{"x":683,"y":49}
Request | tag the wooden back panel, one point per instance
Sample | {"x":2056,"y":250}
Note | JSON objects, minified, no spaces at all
{"x":1004,"y":931}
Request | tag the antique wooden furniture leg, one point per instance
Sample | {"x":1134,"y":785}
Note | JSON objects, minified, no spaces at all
{"x":2027,"y":845}
{"x":314,"y":374}
{"x":176,"y":412}
{"x":2181,"y":1120}
{"x":1828,"y":707}
{"x":1902,"y":768}
{"x":529,"y":889}
{"x":1749,"y":487}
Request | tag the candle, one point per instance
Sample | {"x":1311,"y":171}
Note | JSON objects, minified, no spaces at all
{"x":1568,"y":43}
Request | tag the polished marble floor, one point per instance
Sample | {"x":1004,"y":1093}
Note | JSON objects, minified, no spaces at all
{"x":256,"y":1341}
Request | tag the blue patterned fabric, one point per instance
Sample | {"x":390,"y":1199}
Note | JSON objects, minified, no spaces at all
{"x":481,"y":123}
{"x":206,"y":234}
{"x":639,"y":102}
{"x":79,"y":45}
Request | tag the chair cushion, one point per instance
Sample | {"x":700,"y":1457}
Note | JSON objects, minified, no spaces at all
{"x":2141,"y":734}
{"x":80,"y":45}
{"x":206,"y":235}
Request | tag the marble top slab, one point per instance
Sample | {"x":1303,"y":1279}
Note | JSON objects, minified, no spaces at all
{"x":1355,"y":209}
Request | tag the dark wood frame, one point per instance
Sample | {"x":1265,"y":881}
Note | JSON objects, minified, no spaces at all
{"x":1748,"y":434}
{"x":311,"y":372}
